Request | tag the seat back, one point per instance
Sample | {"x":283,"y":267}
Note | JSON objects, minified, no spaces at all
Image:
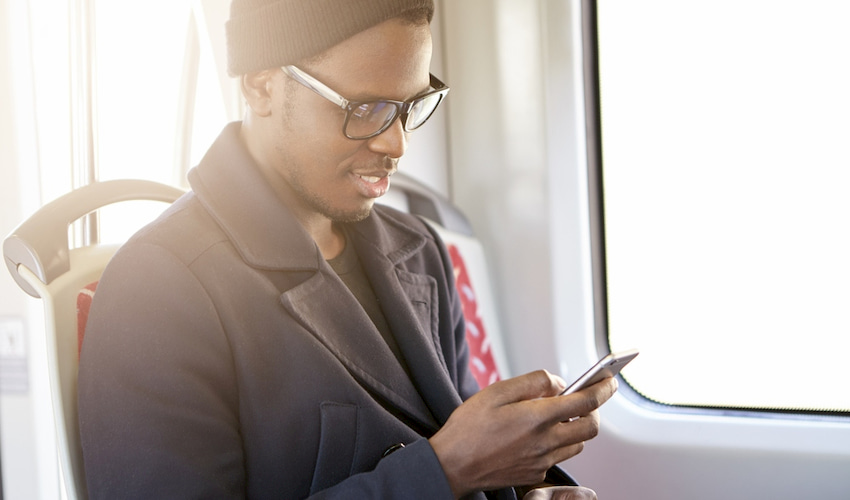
{"x":39,"y":257}
{"x":488,"y":361}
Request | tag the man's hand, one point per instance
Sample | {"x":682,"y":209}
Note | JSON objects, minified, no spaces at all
{"x":561,"y":493}
{"x":513,"y":431}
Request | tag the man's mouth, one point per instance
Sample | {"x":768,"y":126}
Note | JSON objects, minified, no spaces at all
{"x":371,"y":179}
{"x":373,"y":186}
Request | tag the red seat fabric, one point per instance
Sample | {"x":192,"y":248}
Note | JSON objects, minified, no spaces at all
{"x":84,"y":299}
{"x":481,"y":361}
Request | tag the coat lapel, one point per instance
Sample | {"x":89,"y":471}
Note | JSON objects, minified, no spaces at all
{"x":229,"y":184}
{"x":351,"y":337}
{"x":410,"y":305}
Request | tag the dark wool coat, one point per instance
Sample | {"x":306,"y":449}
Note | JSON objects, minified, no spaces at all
{"x":225,"y":359}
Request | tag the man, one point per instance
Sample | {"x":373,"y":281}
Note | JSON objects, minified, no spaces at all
{"x":276,"y":335}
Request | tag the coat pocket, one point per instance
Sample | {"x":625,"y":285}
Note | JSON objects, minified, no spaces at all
{"x":337,"y":445}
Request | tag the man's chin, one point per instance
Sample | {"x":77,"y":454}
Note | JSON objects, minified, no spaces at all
{"x":351,"y":216}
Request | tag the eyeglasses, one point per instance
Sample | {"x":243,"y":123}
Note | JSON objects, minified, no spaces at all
{"x":365,"y":119}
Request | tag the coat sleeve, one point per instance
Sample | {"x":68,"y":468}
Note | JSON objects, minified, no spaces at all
{"x":410,"y":473}
{"x":158,"y":402}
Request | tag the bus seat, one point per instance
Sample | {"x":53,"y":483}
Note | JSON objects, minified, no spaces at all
{"x":487,"y":359}
{"x":39,"y":257}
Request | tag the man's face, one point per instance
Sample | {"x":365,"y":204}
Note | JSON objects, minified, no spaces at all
{"x":324,"y":172}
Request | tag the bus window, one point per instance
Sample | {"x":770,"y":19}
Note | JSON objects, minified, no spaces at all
{"x":158,"y":100}
{"x":724,"y":184}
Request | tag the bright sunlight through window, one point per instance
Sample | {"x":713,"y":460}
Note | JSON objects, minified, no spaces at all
{"x":726,"y":178}
{"x":142,"y":52}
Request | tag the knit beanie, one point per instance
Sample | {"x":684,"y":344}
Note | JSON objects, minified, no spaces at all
{"x":264,"y":34}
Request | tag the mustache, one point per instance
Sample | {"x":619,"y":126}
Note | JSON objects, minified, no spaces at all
{"x":385,"y":163}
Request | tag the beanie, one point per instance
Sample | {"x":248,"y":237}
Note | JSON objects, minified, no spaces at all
{"x":264,"y":34}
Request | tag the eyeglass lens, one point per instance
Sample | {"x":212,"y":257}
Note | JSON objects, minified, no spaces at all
{"x":422,"y":110}
{"x":370,"y":117}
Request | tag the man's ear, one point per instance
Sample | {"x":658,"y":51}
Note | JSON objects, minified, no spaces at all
{"x":256,"y":87}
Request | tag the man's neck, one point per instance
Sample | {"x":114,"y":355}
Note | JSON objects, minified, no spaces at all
{"x":329,"y":238}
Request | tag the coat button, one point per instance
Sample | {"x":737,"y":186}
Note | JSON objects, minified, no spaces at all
{"x":392,"y":449}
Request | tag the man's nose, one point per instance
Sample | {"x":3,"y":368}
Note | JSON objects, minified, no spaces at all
{"x":391,"y":142}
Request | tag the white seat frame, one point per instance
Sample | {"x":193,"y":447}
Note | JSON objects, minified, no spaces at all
{"x":39,"y":257}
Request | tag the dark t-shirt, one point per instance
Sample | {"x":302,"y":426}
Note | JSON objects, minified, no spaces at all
{"x":347,"y":266}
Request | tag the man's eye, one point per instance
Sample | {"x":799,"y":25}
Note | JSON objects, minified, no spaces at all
{"x":373,"y":111}
{"x":364,"y":111}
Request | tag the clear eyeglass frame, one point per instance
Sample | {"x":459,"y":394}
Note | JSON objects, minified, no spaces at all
{"x":366,"y":119}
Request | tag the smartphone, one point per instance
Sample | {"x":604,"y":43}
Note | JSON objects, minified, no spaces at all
{"x":606,"y":367}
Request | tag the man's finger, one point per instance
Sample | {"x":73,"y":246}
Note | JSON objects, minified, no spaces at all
{"x":588,"y":400}
{"x":537,"y":384}
{"x":577,"y":404}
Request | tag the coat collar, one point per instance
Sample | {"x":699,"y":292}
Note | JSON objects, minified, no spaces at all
{"x":267,"y":236}
{"x":264,"y":231}
{"x":231,"y":187}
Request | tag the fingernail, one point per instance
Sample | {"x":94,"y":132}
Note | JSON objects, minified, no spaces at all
{"x":562,"y":384}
